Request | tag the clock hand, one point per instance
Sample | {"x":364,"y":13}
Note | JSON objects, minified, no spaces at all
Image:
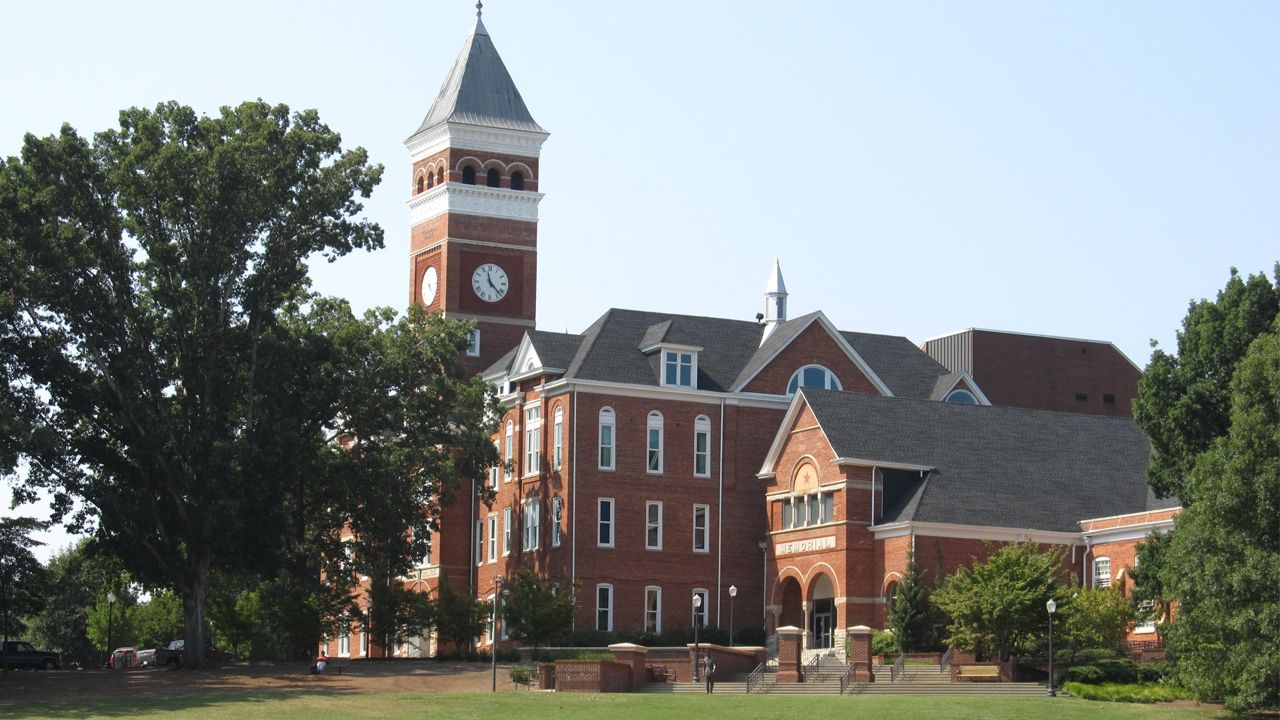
{"x":489,"y":277}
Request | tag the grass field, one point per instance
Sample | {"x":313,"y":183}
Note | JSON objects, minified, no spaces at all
{"x":317,"y":702}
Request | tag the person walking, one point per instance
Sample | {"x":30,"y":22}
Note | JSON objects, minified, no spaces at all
{"x":709,"y":670}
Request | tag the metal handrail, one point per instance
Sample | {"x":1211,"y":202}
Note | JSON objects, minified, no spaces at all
{"x":947,"y":657}
{"x":810,"y":667}
{"x":899,"y":668}
{"x":755,"y":678}
{"x":847,"y":678}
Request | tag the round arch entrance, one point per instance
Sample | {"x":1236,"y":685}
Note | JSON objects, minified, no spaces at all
{"x":822,"y":619}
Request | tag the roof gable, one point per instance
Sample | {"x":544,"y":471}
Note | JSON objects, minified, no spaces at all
{"x":785,"y":345}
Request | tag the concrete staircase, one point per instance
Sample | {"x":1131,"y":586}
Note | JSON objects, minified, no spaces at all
{"x":824,"y":679}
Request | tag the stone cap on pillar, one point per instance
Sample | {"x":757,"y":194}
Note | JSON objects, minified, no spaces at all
{"x":789,"y":630}
{"x":860,"y":630}
{"x":629,"y":647}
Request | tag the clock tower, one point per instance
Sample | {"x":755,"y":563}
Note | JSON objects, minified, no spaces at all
{"x":473,"y":205}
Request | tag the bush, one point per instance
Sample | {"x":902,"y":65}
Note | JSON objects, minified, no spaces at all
{"x":1088,"y":656}
{"x":1152,"y":672}
{"x":1103,"y":671}
{"x":883,"y":643}
{"x":508,"y":656}
{"x":1126,"y":692}
{"x":523,"y":674}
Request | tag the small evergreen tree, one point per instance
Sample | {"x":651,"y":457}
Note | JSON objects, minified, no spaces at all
{"x":535,"y":614}
{"x":911,"y":616}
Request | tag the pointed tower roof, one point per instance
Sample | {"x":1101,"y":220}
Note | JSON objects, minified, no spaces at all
{"x":775,"y":284}
{"x":479,"y":90}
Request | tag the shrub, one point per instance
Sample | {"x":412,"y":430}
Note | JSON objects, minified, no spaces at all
{"x":1103,"y":671}
{"x":522,"y":674}
{"x":508,"y":656}
{"x":1126,"y":692}
{"x":1152,"y":672}
{"x":883,"y":643}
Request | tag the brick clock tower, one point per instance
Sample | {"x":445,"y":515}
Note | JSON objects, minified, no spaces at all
{"x":473,"y":250}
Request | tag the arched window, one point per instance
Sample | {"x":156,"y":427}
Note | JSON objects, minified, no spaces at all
{"x":813,"y":376}
{"x":962,"y":397}
{"x":1102,"y":572}
{"x":702,"y":446}
{"x":469,"y":175}
{"x":517,"y":180}
{"x":607,"y":423}
{"x":507,"y":449}
{"x":557,"y":440}
{"x":492,"y":177}
{"x":891,"y":595}
{"x":422,"y":185}
{"x":653,"y":456}
{"x":440,"y":175}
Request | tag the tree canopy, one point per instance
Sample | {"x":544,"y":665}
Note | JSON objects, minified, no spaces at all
{"x":534,"y":613}
{"x":22,"y":577}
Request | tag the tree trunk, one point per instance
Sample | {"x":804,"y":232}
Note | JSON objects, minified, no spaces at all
{"x":193,"y":604}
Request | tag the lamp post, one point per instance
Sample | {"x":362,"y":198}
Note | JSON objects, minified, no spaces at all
{"x":733,"y":593}
{"x":111,"y":602}
{"x":1052,"y":607}
{"x":493,"y":630}
{"x":764,"y":584}
{"x":697,"y":603}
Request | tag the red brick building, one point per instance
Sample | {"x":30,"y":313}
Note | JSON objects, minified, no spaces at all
{"x":656,"y":457}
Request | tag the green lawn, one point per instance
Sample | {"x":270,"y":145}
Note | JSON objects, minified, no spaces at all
{"x":312,"y":703}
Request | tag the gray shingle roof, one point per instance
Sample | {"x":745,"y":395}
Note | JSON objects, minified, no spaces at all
{"x":995,"y":466}
{"x":906,"y":369}
{"x":479,"y":90}
{"x":555,"y":350}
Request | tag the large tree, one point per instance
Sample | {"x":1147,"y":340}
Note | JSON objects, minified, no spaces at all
{"x":22,"y":580}
{"x":141,"y":272}
{"x":536,"y":614}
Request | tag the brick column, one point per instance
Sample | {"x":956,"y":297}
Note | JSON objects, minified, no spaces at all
{"x":860,"y":652}
{"x":789,"y":651}
{"x":633,"y":656}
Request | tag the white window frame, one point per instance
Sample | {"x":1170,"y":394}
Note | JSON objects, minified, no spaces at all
{"x":702,"y":429}
{"x":532,"y":440}
{"x":653,"y":525}
{"x":532,"y":524}
{"x":495,"y":471}
{"x":705,"y":530}
{"x":508,"y":450}
{"x":557,"y":517}
{"x":473,"y":343}
{"x":705,"y":609}
{"x":831,"y":382}
{"x":607,"y":609}
{"x":557,"y":434}
{"x":364,"y":640}
{"x":492,"y":543}
{"x":490,"y":631}
{"x":676,"y":359}
{"x":506,"y":531}
{"x":611,"y":524}
{"x":653,"y":444}
{"x":479,"y":542}
{"x":344,"y":637}
{"x":609,"y":420}
{"x":1100,"y":563}
{"x":653,"y":609}
{"x":1145,"y":627}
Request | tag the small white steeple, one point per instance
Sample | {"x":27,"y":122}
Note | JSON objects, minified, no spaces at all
{"x":775,"y":300}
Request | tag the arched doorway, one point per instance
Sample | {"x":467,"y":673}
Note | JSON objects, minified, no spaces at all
{"x":822,"y":620}
{"x":792,"y":604}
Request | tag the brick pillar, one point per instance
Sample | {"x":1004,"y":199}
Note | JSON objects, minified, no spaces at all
{"x":633,"y":656}
{"x":789,"y":651}
{"x":860,"y":652}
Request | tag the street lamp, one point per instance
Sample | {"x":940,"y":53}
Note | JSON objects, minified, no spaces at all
{"x":1052,"y":607}
{"x":697,"y":603}
{"x":764,"y":584}
{"x":733,"y":593}
{"x":111,"y":601}
{"x":493,"y":629}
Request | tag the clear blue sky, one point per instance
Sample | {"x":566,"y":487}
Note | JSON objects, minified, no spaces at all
{"x":1069,"y":168}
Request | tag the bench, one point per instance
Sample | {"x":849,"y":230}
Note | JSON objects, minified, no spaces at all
{"x":660,"y":673}
{"x":979,"y":673}
{"x":338,"y":664}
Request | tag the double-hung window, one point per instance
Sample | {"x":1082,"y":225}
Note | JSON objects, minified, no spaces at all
{"x":702,"y":446}
{"x":654,"y":456}
{"x":493,"y":538}
{"x":506,"y":531}
{"x":700,"y":611}
{"x":495,"y":470}
{"x":557,"y":512}
{"x":532,"y":524}
{"x":532,"y":440}
{"x":678,"y":368}
{"x":607,"y":424}
{"x":1102,"y":572}
{"x":701,"y":528}
{"x":557,"y":440}
{"x":653,"y":609}
{"x":479,"y":542}
{"x":604,"y":529}
{"x":604,"y":607}
{"x":653,"y":526}
{"x":507,"y":450}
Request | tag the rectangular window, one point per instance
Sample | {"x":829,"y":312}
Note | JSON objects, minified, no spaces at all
{"x":364,"y":641}
{"x":493,"y":538}
{"x":496,"y":469}
{"x":489,"y":632}
{"x":655,"y":450}
{"x":344,"y":637}
{"x":798,"y":507}
{"x":653,"y":526}
{"x":828,"y":507}
{"x":557,"y":434}
{"x":1102,"y":572}
{"x":606,"y":441}
{"x":532,"y":524}
{"x":557,"y":511}
{"x":473,"y":343}
{"x":506,"y":531}
{"x":700,"y":611}
{"x":604,"y":534}
{"x":811,"y":514}
{"x":507,"y":452}
{"x":653,"y":610}
{"x":1108,"y":399}
{"x":788,"y":514}
{"x":702,"y":451}
{"x":604,"y":607}
{"x":678,"y":369}
{"x":701,"y":524}
{"x":532,"y":440}
{"x":479,"y":542}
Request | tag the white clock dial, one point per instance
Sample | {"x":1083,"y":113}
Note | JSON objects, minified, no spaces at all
{"x":490,"y":282}
{"x":429,"y":284}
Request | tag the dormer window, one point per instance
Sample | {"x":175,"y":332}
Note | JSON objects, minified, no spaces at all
{"x":679,"y":368}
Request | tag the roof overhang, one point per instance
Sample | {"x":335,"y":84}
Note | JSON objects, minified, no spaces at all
{"x":975,"y":532}
{"x":883,"y":464}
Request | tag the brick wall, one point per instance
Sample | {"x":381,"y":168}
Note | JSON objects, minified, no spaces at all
{"x":593,"y":676}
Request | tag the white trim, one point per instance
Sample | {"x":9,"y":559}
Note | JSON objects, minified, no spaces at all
{"x":974,"y":532}
{"x":654,"y":421}
{"x":756,"y":400}
{"x":706,"y":531}
{"x":972,"y":389}
{"x":657,"y":620}
{"x":506,"y":531}
{"x":482,"y":200}
{"x":613,"y":522}
{"x":491,"y":543}
{"x":882,"y":464}
{"x":1148,"y":513}
{"x":706,"y":607}
{"x":463,"y":241}
{"x":840,"y":342}
{"x":666,"y":350}
{"x":768,"y":469}
{"x":701,"y":426}
{"x":649,"y":505}
{"x":609,"y":609}
{"x":464,"y":136}
{"x":1127,"y":532}
{"x":612,"y":424}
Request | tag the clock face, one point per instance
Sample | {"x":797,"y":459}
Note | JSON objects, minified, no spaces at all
{"x":490,"y":282}
{"x":429,"y":283}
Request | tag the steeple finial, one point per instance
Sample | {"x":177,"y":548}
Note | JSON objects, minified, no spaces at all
{"x":479,"y":7}
{"x":775,"y":300}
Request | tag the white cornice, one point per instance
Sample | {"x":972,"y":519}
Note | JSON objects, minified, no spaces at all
{"x":477,"y":243}
{"x":1127,"y":532}
{"x":480,"y":200}
{"x":489,"y":319}
{"x":475,"y":137}
{"x":882,"y":464}
{"x":975,"y":532}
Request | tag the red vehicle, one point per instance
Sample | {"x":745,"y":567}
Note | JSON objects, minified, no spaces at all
{"x":122,"y":658}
